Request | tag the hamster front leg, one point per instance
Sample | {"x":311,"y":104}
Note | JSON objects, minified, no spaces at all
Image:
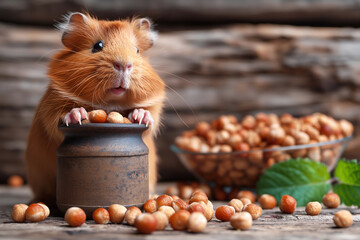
{"x":141,"y":116}
{"x":75,"y":116}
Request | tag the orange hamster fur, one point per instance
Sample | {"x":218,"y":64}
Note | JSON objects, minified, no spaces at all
{"x":100,"y":67}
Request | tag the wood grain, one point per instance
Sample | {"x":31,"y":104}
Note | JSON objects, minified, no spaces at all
{"x":237,"y":69}
{"x":271,"y":225}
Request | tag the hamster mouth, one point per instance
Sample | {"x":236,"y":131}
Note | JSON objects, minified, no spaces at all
{"x":118,"y":91}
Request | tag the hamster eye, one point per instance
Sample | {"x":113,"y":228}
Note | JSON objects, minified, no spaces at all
{"x":137,"y":50}
{"x":97,"y":47}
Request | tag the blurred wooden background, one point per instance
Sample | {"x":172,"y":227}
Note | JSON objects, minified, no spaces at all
{"x":212,"y":56}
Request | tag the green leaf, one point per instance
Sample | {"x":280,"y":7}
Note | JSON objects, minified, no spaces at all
{"x":348,"y":174}
{"x":303,"y":179}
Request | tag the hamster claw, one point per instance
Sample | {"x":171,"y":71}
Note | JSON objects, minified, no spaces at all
{"x":75,"y":116}
{"x":141,"y":116}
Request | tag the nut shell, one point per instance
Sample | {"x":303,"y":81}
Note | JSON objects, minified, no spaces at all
{"x":145,"y":223}
{"x":97,"y":116}
{"x":313,"y":208}
{"x":178,"y":221}
{"x":75,"y":216}
{"x":242,"y":221}
{"x":254,"y":210}
{"x":196,"y":222}
{"x":117,"y":213}
{"x":35,"y":213}
{"x":331,"y":200}
{"x":287,"y":204}
{"x":131,"y":214}
{"x":18,"y":213}
{"x":343,"y":219}
{"x":161,"y":220}
{"x":267,"y":201}
{"x":101,"y":216}
{"x":224,"y":213}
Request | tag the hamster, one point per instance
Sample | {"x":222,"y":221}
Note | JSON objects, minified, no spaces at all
{"x":100,"y":67}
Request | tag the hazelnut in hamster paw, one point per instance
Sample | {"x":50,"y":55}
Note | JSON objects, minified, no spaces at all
{"x":141,"y":116}
{"x":75,"y":116}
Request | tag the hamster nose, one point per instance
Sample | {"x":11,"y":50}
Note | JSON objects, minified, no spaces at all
{"x":120,"y":67}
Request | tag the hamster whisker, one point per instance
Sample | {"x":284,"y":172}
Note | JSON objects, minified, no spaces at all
{"x":176,"y":76}
{"x":182,"y":120}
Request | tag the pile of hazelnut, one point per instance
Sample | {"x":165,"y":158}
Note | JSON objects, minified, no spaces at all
{"x":100,"y":116}
{"x":252,"y":142}
{"x":191,"y":215}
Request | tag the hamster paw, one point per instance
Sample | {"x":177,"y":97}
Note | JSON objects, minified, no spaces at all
{"x":75,"y":116}
{"x":141,"y":116}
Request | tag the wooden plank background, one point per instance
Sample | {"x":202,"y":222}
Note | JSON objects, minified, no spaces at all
{"x":239,"y":69}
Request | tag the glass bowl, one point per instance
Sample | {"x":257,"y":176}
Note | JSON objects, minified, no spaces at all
{"x":243,"y":168}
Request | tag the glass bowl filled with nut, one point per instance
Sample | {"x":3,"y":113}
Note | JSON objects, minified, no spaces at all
{"x":228,"y":152}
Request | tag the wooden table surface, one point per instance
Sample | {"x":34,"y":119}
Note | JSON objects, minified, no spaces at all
{"x":271,"y":225}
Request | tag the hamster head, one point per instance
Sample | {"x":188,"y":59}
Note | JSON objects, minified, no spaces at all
{"x":102,"y":62}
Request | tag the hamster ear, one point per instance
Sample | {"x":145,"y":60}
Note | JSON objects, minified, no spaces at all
{"x":73,"y":22}
{"x":147,"y":36}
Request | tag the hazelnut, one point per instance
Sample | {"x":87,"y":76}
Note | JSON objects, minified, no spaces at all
{"x":287,"y":204}
{"x":331,"y":200}
{"x":256,"y":157}
{"x":224,"y":213}
{"x":196,"y":222}
{"x":225,"y":148}
{"x":185,"y":192}
{"x":195,"y":207}
{"x":131,"y":214}
{"x":288,"y":141}
{"x":15,"y":181}
{"x":208,"y":210}
{"x":267,"y":201}
{"x":35,"y":213}
{"x":254,"y":210}
{"x":174,"y":197}
{"x":222,"y":136}
{"x":276,"y":135}
{"x":245,"y":201}
{"x":248,"y":122}
{"x":202,"y":128}
{"x":168,"y":211}
{"x":252,"y":138}
{"x":286,"y":118}
{"x":343,"y":219}
{"x":101,"y":216}
{"x":262,"y":117}
{"x":18,"y":213}
{"x":161,"y":220}
{"x":47,"y":210}
{"x":179,"y":204}
{"x":198,"y":196}
{"x":163,"y":200}
{"x":178,"y":221}
{"x":247,"y":194}
{"x":346,"y":127}
{"x":150,"y":206}
{"x":301,"y":137}
{"x":114,"y":117}
{"x":126,"y":120}
{"x":237,"y":204}
{"x":242,"y":221}
{"x":234,"y":139}
{"x":145,"y":223}
{"x":117,"y":213}
{"x":97,"y":116}
{"x":75,"y":217}
{"x":313,"y":208}
{"x":172,"y":190}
